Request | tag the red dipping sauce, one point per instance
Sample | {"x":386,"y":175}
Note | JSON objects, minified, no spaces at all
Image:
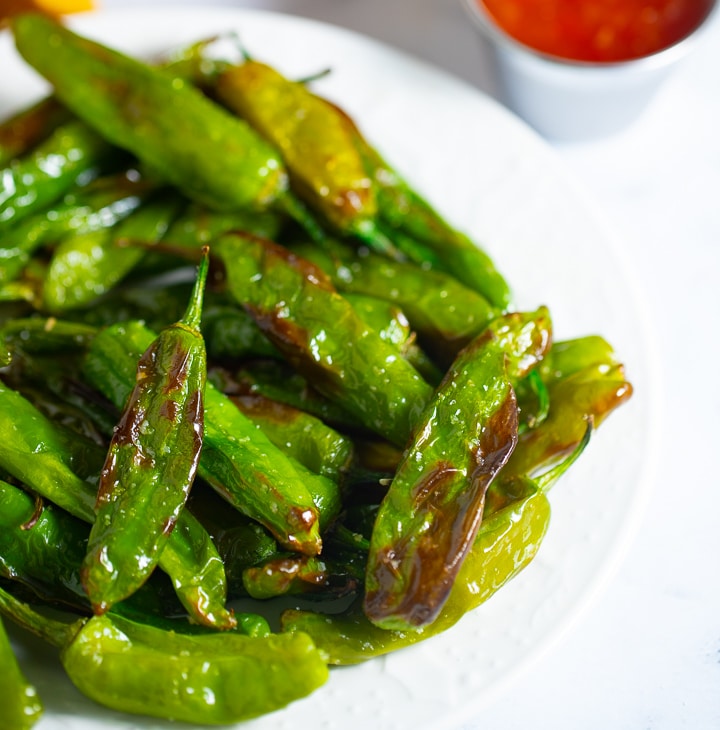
{"x":598,"y":30}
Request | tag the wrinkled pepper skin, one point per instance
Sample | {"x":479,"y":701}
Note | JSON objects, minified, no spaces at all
{"x":322,"y":336}
{"x":153,"y":113}
{"x":152,"y":460}
{"x":237,"y":460}
{"x":421,"y":233}
{"x":98,"y":206}
{"x":430,"y":516}
{"x":325,"y":167}
{"x":504,"y":545}
{"x":73,"y":153}
{"x":49,"y":461}
{"x":21,"y":706}
{"x":206,"y":679}
{"x":307,"y":439}
{"x":21,"y":132}
{"x":444,"y":313}
{"x":83,"y":267}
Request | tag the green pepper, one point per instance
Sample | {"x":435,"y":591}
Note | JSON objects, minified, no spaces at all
{"x":237,"y":459}
{"x":325,"y":167}
{"x":322,"y":336}
{"x":307,"y":439}
{"x":21,"y":132}
{"x":429,"y":518}
{"x":71,"y":155}
{"x":85,"y":266}
{"x":21,"y":706}
{"x":97,"y":206}
{"x":151,"y":462}
{"x":54,"y":463}
{"x":162,"y":119}
{"x":445,"y":313}
{"x":208,"y":679}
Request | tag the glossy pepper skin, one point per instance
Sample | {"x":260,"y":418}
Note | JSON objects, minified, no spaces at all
{"x":237,"y":460}
{"x":21,"y":706}
{"x":85,"y":266}
{"x":504,"y":545}
{"x":152,"y":460}
{"x":444,"y":313}
{"x":207,"y":679}
{"x":307,"y":439}
{"x":99,"y":205}
{"x":322,"y":337}
{"x":430,"y":516}
{"x":153,"y":113}
{"x":420,"y":233}
{"x":63,"y":467}
{"x":73,"y":153}
{"x":325,"y":167}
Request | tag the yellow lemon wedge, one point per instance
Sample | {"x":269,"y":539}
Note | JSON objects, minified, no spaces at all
{"x":9,"y":8}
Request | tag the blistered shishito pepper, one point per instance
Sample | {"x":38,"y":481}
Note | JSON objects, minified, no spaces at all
{"x":517,"y":516}
{"x":152,"y":460}
{"x":99,"y":205}
{"x":444,"y":313}
{"x":430,"y":516}
{"x":85,"y":266}
{"x":72,"y":153}
{"x":322,"y":336}
{"x":62,"y":467}
{"x":306,"y":438}
{"x":22,"y":131}
{"x":153,"y":113}
{"x":238,"y":460}
{"x":325,"y":167}
{"x":207,"y":679}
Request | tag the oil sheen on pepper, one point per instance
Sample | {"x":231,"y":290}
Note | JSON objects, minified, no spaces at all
{"x":598,"y":30}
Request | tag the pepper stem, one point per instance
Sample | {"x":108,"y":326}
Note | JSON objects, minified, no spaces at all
{"x":193,"y":313}
{"x":57,"y":633}
{"x":548,"y":478}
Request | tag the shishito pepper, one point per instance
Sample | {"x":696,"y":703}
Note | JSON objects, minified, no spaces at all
{"x":237,"y":460}
{"x":429,"y":518}
{"x":152,"y":460}
{"x":85,"y":266}
{"x":208,"y":679}
{"x":61,"y":466}
{"x":325,"y":167}
{"x":72,"y":153}
{"x":155,"y":114}
{"x":322,"y":336}
{"x":21,"y":706}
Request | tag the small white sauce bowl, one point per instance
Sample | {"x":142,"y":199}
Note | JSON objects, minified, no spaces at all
{"x":568,"y":100}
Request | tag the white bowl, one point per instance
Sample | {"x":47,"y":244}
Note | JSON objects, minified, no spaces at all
{"x":568,"y":100}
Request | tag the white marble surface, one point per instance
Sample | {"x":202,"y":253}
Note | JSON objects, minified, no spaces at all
{"x":646,"y":654}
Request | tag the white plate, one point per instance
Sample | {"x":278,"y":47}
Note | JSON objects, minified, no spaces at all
{"x":495,"y":179}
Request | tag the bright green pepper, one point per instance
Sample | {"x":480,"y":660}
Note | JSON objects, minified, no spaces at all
{"x":429,"y":518}
{"x":208,"y":679}
{"x":72,"y":154}
{"x":322,"y":336}
{"x":324,"y":164}
{"x":152,"y":460}
{"x":53,"y":463}
{"x":85,"y":266}
{"x":167,"y":123}
{"x":238,"y":460}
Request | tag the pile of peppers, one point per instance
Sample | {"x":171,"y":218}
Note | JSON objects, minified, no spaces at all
{"x":243,"y":361}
